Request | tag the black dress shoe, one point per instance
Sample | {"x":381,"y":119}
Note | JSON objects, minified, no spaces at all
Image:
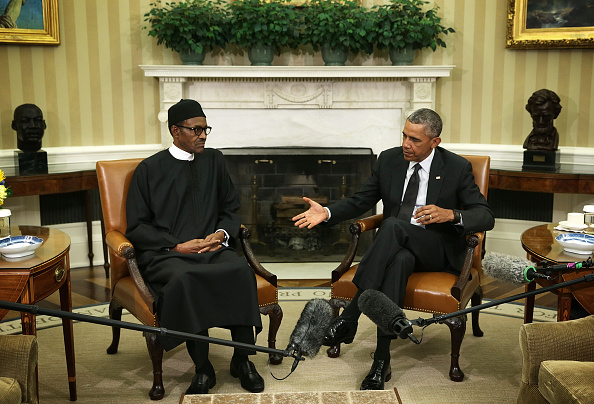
{"x":341,"y":331}
{"x":248,"y":375}
{"x":379,"y":373}
{"x":201,"y":383}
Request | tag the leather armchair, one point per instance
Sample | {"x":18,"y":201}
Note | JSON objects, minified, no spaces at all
{"x":429,"y":292}
{"x":557,"y":362}
{"x":18,"y":369}
{"x":128,"y":290}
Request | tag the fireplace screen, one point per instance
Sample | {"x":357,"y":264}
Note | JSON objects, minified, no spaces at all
{"x":272,"y":182}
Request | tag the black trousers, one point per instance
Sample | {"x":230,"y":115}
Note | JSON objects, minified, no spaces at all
{"x":199,"y":350}
{"x":399,"y":249}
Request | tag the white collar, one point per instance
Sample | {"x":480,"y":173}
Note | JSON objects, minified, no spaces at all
{"x":425,"y":164}
{"x":180,"y":154}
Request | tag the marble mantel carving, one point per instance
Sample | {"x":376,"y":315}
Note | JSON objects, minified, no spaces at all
{"x":300,"y":105}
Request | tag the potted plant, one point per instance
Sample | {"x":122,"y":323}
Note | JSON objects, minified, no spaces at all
{"x":337,"y":26}
{"x":190,"y":27}
{"x":402,"y":26}
{"x":263,"y":27}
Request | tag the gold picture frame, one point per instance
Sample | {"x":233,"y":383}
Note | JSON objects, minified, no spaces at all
{"x":523,"y":30}
{"x":48,"y":35}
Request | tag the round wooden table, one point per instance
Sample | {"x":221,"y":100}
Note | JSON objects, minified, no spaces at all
{"x":540,"y":245}
{"x":30,"y":279}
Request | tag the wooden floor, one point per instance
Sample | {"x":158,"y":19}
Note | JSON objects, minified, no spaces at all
{"x":90,"y":286}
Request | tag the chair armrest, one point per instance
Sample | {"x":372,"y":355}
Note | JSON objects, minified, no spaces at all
{"x":356,"y":228}
{"x":244,"y":239}
{"x":472,"y":241}
{"x":370,"y":222}
{"x":567,"y":340}
{"x":18,"y":360}
{"x":123,"y":248}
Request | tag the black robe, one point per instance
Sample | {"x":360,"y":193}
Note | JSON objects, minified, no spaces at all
{"x":171,"y":201}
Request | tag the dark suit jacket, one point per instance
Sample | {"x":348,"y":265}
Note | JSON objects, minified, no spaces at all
{"x":451,"y":186}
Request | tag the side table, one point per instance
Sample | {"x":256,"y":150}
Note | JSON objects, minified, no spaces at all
{"x":540,"y":245}
{"x":59,"y":183}
{"x":32,"y":278}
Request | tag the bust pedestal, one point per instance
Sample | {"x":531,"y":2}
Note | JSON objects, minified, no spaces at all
{"x":547,"y":160}
{"x":30,"y":163}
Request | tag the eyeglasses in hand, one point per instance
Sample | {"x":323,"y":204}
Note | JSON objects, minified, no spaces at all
{"x":197,"y":129}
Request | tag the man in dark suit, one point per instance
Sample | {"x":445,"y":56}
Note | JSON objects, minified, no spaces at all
{"x":430,"y":202}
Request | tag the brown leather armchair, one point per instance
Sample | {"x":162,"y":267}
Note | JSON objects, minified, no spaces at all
{"x":128,"y":289}
{"x":430,"y":292}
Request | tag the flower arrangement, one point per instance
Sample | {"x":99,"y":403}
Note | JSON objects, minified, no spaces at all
{"x":5,"y":191}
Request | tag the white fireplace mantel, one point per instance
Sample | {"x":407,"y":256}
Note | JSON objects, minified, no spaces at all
{"x":266,"y":106}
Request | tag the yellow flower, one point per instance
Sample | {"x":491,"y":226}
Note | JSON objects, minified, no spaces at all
{"x":2,"y":176}
{"x":3,"y":194}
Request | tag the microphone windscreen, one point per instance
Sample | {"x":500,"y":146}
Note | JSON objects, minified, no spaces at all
{"x":380,"y":309}
{"x":506,"y":267}
{"x":315,"y":319}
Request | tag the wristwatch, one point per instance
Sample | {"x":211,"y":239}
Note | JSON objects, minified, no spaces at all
{"x":457,"y":216}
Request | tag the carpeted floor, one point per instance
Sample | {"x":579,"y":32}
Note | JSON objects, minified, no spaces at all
{"x":492,"y":364}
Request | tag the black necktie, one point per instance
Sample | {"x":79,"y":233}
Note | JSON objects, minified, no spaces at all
{"x":410,"y":196}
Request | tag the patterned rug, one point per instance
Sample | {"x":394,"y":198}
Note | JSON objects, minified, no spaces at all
{"x":513,"y":309}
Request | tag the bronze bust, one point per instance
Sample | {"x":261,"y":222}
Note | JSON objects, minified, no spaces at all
{"x":544,"y":106}
{"x":29,"y":125}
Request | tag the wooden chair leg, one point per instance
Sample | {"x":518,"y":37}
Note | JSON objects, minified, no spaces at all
{"x":475,"y":300}
{"x":275,"y":314}
{"x":115,"y":313}
{"x":156,"y":353}
{"x":457,"y":330}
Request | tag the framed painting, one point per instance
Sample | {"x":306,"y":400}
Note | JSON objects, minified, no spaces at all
{"x":33,"y":22}
{"x":542,"y":24}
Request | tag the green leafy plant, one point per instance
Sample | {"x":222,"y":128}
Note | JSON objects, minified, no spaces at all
{"x":338,"y":24}
{"x":404,"y":23}
{"x":263,"y":23}
{"x":192,"y":25}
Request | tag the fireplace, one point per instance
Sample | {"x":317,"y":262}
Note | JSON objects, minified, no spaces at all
{"x":262,"y":116}
{"x":271,"y":183}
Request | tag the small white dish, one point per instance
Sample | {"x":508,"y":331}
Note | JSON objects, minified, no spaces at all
{"x":566,"y":225}
{"x":19,"y":246}
{"x":576,"y":243}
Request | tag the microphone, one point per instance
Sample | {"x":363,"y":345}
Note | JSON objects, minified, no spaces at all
{"x":386,"y":314}
{"x":511,"y":269}
{"x":308,"y":335}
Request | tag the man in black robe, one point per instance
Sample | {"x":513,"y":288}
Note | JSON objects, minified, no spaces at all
{"x":182,"y":211}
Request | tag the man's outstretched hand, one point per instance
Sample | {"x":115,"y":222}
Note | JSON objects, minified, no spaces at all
{"x":315,"y":215}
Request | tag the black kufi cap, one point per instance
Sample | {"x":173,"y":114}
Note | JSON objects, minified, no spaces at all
{"x":184,"y":109}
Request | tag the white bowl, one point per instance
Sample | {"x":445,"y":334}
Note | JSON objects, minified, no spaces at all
{"x":19,"y":246}
{"x":576,"y":243}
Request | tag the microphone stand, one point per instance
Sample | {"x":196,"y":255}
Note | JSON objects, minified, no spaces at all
{"x":422,"y":322}
{"x":145,"y":328}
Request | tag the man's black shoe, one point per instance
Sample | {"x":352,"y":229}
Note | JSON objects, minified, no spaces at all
{"x":201,"y":383}
{"x":379,"y":373}
{"x":248,"y":375}
{"x":341,"y":331}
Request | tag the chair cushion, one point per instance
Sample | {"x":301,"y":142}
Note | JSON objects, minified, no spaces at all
{"x":566,"y":381}
{"x":126,"y":293}
{"x":344,"y":288}
{"x":267,"y":293}
{"x":431,"y":292}
{"x":425,"y":291}
{"x":10,"y":391}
